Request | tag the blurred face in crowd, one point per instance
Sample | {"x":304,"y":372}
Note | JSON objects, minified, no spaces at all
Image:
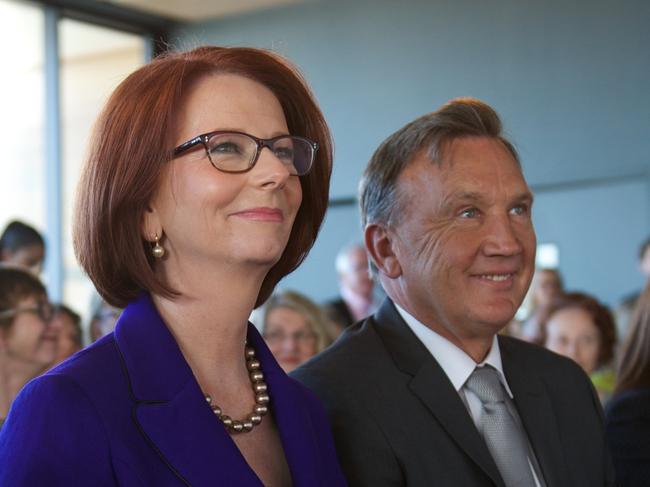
{"x":571,"y":332}
{"x":103,"y":322}
{"x":465,"y":242}
{"x":354,"y":275}
{"x":32,"y":337}
{"x":68,"y":336}
{"x":547,"y":286}
{"x":290,"y":337}
{"x":31,"y":257}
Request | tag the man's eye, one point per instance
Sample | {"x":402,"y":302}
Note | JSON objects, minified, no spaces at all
{"x":520,"y":210}
{"x":469,"y":213}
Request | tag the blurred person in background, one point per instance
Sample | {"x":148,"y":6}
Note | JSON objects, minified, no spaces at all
{"x":103,"y":319}
{"x":70,"y":334}
{"x":206,"y":182}
{"x":22,"y":245}
{"x":627,"y":415}
{"x":578,"y":326}
{"x":546,"y":286}
{"x":625,"y":310}
{"x":28,"y":335}
{"x":295,"y":328}
{"x":356,"y":300}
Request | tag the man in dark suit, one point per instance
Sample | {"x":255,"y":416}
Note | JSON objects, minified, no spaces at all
{"x":425,"y":392}
{"x":356,"y":301}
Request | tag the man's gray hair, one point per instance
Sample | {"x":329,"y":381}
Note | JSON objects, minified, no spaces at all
{"x":458,"y":118}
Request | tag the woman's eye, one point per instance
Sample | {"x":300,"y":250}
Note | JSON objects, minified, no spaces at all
{"x":226,"y":148}
{"x":284,"y":153}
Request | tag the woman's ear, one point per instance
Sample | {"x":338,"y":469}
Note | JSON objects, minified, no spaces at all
{"x":381,"y":250}
{"x":151,"y":225}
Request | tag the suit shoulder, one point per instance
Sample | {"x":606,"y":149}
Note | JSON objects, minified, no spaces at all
{"x":354,"y":346}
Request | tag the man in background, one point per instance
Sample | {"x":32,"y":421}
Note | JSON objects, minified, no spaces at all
{"x":625,"y":310}
{"x":355,"y":286}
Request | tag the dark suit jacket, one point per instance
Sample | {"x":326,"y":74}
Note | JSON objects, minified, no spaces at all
{"x":128,"y":411}
{"x":627,"y":426}
{"x":397,"y":419}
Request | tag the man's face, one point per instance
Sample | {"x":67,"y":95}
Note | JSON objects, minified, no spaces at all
{"x":465,"y":242}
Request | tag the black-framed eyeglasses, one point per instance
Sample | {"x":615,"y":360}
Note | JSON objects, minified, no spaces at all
{"x":44,"y":310}
{"x":236,"y":152}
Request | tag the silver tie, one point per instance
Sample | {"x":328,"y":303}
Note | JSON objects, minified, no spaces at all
{"x":501,"y":433}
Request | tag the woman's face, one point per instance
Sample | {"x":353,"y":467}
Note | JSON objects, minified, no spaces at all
{"x":67,"y":340}
{"x":547,"y":287}
{"x":32,"y":338}
{"x":230,"y":219}
{"x":571,"y":332}
{"x":290,"y":338}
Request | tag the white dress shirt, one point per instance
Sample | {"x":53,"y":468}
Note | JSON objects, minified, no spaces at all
{"x":458,"y":366}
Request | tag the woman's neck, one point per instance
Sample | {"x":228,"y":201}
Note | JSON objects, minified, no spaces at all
{"x":209,"y":320}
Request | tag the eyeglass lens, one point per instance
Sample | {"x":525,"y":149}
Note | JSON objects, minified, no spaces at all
{"x":238,"y":152}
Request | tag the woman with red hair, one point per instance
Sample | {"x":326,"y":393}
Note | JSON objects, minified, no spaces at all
{"x":206,"y":183}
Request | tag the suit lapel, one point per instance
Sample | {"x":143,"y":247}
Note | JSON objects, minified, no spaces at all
{"x":431,"y":385}
{"x":169,"y":408}
{"x":536,"y":412}
{"x":292,"y":418}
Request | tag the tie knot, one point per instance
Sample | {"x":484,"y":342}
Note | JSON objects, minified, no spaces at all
{"x":485,"y":383}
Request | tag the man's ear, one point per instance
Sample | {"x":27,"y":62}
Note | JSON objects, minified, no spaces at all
{"x":380,"y":249}
{"x":151,"y":226}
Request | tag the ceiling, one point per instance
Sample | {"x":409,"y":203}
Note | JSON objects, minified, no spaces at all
{"x":201,"y":10}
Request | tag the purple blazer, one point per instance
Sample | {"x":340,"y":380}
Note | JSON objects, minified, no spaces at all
{"x":128,"y":411}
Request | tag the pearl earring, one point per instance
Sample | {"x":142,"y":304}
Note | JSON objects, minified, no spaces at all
{"x":158,"y":251}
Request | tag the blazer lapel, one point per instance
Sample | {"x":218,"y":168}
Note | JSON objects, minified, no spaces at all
{"x":292,"y":417}
{"x":432,"y":386}
{"x":169,"y":408}
{"x":536,"y":411}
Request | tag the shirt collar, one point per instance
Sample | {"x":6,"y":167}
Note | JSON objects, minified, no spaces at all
{"x":455,"y":362}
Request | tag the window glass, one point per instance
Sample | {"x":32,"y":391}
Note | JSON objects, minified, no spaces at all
{"x":94,"y":60}
{"x":22,"y":91}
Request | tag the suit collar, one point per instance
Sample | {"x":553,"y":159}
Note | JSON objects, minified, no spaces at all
{"x":431,"y":385}
{"x":535,"y":409}
{"x":171,"y":412}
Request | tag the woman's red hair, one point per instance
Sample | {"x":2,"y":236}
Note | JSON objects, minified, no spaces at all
{"x":131,"y":145}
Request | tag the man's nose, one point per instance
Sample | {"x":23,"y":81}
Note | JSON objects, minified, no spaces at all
{"x":501,"y":238}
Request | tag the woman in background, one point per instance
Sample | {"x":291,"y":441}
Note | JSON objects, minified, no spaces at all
{"x":70,"y":334}
{"x":28,"y":337}
{"x":206,"y":183}
{"x":294,"y":328}
{"x":22,"y":245}
{"x":627,"y":416}
{"x":546,"y":286}
{"x":577,"y":326}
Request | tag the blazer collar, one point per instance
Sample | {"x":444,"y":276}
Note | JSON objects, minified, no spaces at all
{"x":535,"y":409}
{"x":432,"y":386}
{"x":171,"y":412}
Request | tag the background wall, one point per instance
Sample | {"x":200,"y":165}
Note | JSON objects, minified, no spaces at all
{"x":570,"y":80}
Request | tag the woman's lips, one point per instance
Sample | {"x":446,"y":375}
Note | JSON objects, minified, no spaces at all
{"x":262,"y":214}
